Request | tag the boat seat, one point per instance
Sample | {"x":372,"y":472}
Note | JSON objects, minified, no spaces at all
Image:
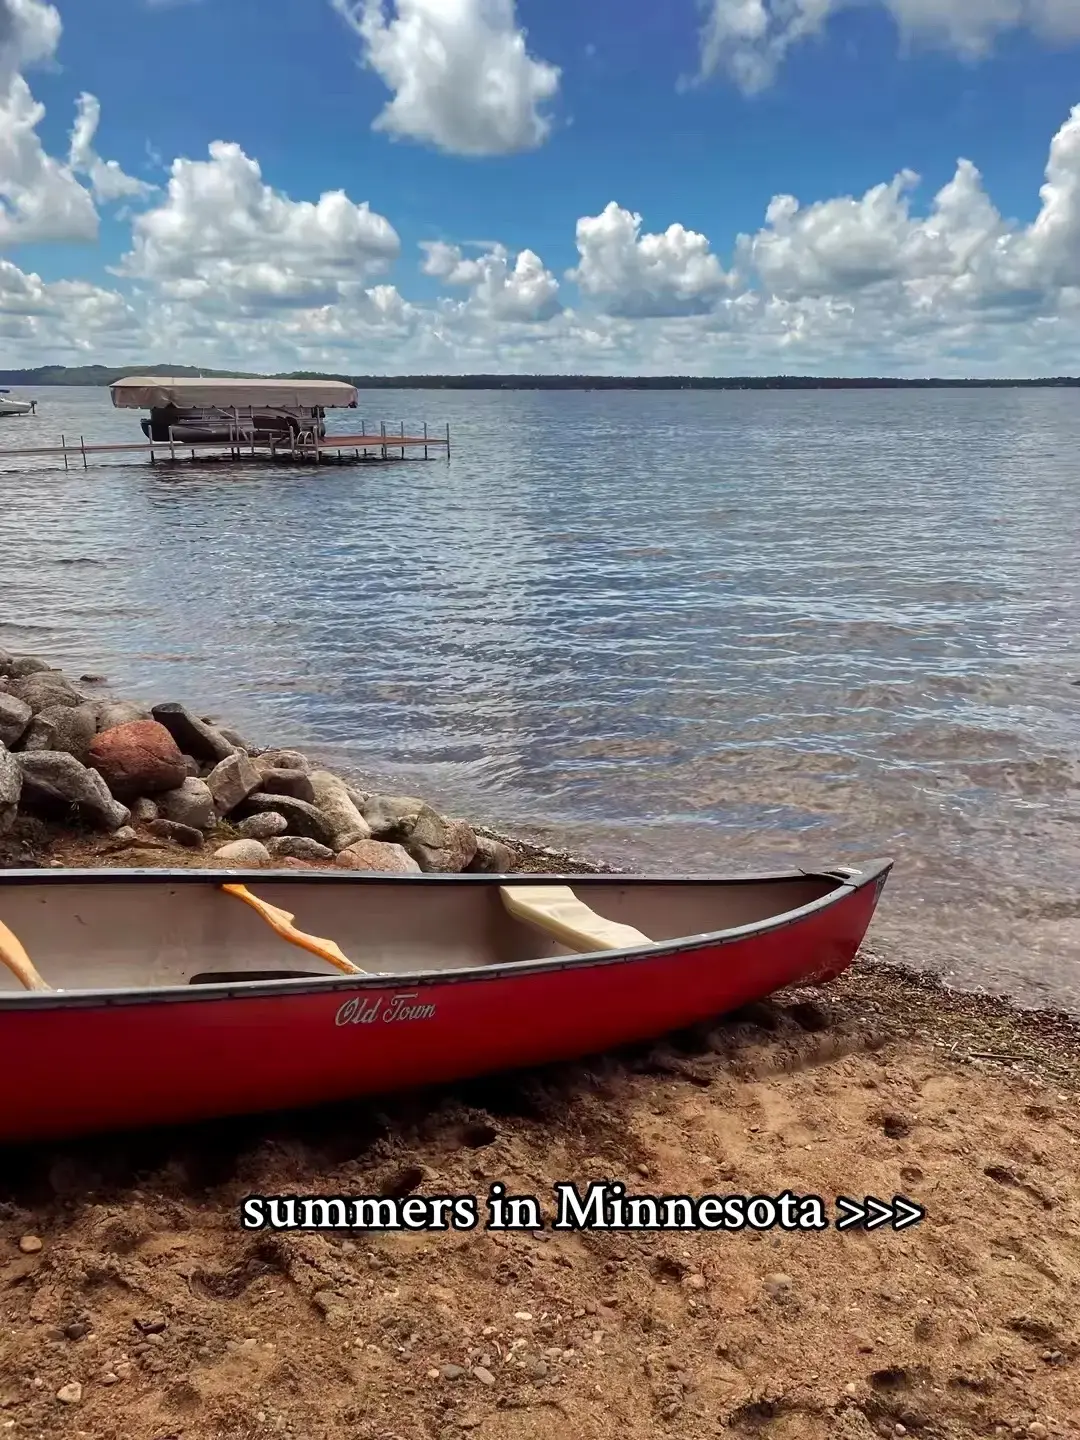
{"x":558,"y":911}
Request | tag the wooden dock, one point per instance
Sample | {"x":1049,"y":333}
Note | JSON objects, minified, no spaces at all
{"x":371,"y":447}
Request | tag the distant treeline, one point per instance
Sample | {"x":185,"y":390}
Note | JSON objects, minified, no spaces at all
{"x":103,"y":375}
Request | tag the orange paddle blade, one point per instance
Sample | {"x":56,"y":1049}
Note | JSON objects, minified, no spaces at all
{"x":282,"y":923}
{"x":18,"y":961}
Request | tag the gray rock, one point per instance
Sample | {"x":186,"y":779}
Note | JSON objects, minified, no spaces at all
{"x":441,"y":846}
{"x":126,"y":835}
{"x":264,"y":826}
{"x":492,"y":858}
{"x":358,"y":797}
{"x":232,"y":780}
{"x":55,"y":782}
{"x":182,"y":834}
{"x":303,"y":819}
{"x":19,"y":666}
{"x":193,"y":768}
{"x":63,"y":727}
{"x":143,"y":811}
{"x":333,"y":800}
{"x":298,"y":847}
{"x":378,"y":855}
{"x":189,"y":804}
{"x":235,"y":738}
{"x":11,"y":784}
{"x":15,"y":716}
{"x":452,"y":1372}
{"x":111,"y":713}
{"x":42,"y":690}
{"x":243,"y":853}
{"x":296,"y":783}
{"x":391,"y":817}
{"x":193,"y":735}
{"x":283,"y":760}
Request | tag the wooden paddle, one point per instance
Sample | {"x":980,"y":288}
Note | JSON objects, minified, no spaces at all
{"x":282,"y":922}
{"x":18,"y":961}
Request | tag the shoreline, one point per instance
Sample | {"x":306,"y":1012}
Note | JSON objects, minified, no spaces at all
{"x":531,"y":857}
{"x":137,"y":1307}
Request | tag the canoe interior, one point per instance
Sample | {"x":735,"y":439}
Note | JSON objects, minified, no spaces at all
{"x":151,"y":934}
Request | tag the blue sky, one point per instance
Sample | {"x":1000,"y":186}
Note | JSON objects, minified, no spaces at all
{"x":552,"y":209}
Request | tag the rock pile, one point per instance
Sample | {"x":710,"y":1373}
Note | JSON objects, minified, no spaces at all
{"x":162,"y":772}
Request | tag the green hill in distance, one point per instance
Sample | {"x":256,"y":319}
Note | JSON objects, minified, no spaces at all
{"x":105,"y":375}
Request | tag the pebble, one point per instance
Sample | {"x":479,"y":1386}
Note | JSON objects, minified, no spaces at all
{"x":522,"y":1315}
{"x":31,"y":1244}
{"x":851,"y":1388}
{"x":484,"y":1376}
{"x":1037,"y":1430}
{"x":695,"y":1282}
{"x":777,"y":1285}
{"x":451,"y":1372}
{"x":70,"y":1394}
{"x":433,"y":1374}
{"x":109,"y":1378}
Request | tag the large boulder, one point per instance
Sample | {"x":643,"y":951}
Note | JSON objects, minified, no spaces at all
{"x":70,"y":728}
{"x":263,"y":827}
{"x":140,"y":758}
{"x":296,"y":783}
{"x":111,"y":713}
{"x":244,"y":854}
{"x":378,"y":856}
{"x":303,"y":819}
{"x":391,"y":817}
{"x":283,"y":760}
{"x":193,"y":735}
{"x":19,"y":666}
{"x":189,"y":804}
{"x":232,"y":780}
{"x":11,"y":783}
{"x":55,"y":783}
{"x":437,"y":845}
{"x":332,"y":798}
{"x":44,"y":689}
{"x":492,"y":857}
{"x":15,"y":717}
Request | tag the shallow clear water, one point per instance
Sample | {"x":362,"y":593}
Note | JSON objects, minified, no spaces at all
{"x":685,"y":631}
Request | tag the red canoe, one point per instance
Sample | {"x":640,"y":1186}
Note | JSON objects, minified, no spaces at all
{"x":161,"y":996}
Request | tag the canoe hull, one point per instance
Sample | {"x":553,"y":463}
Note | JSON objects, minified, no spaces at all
{"x":87,"y":1063}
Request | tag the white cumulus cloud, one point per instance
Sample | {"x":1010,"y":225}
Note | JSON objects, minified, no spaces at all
{"x":461,"y":75}
{"x":222,"y":237}
{"x":41,"y":197}
{"x":524,"y":291}
{"x":749,"y":39}
{"x":635,"y":275}
{"x":107,"y":179}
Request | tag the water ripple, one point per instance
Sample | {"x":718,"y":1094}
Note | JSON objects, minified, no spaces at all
{"x":686,"y":630}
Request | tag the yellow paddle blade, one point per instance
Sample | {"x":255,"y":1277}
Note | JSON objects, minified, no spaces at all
{"x":18,"y":961}
{"x":282,"y":922}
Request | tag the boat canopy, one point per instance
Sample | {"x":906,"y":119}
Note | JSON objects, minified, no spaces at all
{"x":151,"y":392}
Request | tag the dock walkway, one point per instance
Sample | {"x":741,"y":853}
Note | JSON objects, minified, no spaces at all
{"x":371,"y":447}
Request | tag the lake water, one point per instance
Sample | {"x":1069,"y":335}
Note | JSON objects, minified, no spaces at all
{"x":684,"y":631}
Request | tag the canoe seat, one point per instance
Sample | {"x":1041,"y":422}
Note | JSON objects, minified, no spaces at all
{"x":557,"y":910}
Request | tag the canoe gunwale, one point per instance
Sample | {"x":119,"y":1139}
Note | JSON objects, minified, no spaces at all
{"x":847,"y":883}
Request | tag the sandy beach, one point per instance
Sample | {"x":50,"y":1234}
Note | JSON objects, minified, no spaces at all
{"x":135,"y":1305}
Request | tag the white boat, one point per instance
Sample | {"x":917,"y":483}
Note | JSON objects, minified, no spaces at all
{"x":9,"y":405}
{"x":232,"y":412}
